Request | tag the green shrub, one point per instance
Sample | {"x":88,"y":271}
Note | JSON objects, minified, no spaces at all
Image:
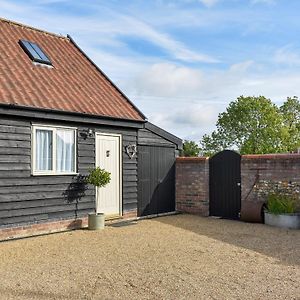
{"x":281,"y":204}
{"x":98,"y":177}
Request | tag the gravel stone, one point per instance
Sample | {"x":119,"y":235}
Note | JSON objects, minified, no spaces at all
{"x":173,"y":257}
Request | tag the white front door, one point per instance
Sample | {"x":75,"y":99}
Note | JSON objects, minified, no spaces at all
{"x":108,"y":158}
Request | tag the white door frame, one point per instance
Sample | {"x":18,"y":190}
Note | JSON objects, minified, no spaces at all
{"x":97,"y":134}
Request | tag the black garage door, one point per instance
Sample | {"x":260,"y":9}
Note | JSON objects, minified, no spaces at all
{"x":156,"y":180}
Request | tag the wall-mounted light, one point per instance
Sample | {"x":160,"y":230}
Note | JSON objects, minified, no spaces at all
{"x":89,"y":132}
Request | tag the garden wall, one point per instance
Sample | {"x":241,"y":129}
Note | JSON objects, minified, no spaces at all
{"x":192,"y":185}
{"x":261,"y":174}
{"x":258,"y":173}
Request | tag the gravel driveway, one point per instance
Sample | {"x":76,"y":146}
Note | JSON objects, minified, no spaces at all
{"x":174,"y":257}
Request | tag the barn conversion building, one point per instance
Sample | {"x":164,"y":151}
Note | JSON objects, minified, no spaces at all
{"x":60,"y":115}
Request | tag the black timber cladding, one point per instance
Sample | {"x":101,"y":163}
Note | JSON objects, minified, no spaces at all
{"x":25,"y":198}
{"x":157,"y":151}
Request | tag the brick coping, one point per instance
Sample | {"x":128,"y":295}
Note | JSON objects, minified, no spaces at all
{"x":272,"y":156}
{"x":191,"y":159}
{"x":246,"y":156}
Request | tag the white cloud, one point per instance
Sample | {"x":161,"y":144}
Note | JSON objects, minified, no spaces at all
{"x":181,"y":99}
{"x":113,"y":26}
{"x":168,"y":80}
{"x":287,"y":55}
{"x":187,"y":101}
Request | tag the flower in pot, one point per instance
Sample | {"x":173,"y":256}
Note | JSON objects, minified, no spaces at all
{"x":98,"y":178}
{"x":281,"y":211}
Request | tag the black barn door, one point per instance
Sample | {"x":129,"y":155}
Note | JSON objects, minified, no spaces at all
{"x":156,"y":180}
{"x":225,"y":185}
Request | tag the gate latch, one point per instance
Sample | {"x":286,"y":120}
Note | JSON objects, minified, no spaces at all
{"x":238,"y":184}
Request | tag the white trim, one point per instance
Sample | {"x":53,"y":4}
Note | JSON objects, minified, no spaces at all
{"x":52,"y":128}
{"x":120,"y":166}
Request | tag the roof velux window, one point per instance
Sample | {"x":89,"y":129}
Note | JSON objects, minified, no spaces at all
{"x":35,"y":52}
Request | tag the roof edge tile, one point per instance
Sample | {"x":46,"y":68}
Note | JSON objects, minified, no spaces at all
{"x":32,"y":28}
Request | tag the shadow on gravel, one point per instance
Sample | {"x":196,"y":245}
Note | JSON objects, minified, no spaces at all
{"x":122,"y":224}
{"x":20,"y":293}
{"x":281,"y":244}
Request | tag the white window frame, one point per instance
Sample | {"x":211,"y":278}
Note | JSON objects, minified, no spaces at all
{"x":36,"y":127}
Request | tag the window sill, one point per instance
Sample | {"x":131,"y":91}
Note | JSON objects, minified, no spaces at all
{"x":54,"y":174}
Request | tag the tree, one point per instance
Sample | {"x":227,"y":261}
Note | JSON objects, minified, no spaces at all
{"x":290,"y":111}
{"x":249,"y":125}
{"x":190,"y":148}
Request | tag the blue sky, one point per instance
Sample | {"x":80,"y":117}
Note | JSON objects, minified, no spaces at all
{"x":183,"y":61}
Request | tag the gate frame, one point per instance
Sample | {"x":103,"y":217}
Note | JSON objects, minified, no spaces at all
{"x":237,"y":185}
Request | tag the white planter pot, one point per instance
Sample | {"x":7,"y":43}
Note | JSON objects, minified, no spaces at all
{"x":96,"y":221}
{"x":283,"y":220}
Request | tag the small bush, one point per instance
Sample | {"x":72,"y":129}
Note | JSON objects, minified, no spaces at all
{"x":98,"y":177}
{"x":281,"y":204}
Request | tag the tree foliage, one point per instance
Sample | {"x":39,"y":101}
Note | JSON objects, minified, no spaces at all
{"x":98,"y":177}
{"x":190,"y":148}
{"x":290,"y":111}
{"x":256,"y":125}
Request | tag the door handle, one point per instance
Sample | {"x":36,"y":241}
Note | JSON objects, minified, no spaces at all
{"x":238,"y":184}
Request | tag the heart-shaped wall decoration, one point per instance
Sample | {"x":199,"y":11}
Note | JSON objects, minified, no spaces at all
{"x":131,"y":150}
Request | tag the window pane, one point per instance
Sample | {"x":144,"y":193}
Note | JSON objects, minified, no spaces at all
{"x":33,"y":53}
{"x":65,"y":150}
{"x":38,"y":50}
{"x":43,"y":151}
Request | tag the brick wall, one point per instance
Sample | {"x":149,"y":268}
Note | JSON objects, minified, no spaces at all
{"x":260,"y":169}
{"x":35,"y":229}
{"x":192,"y":190}
{"x":192,"y":178}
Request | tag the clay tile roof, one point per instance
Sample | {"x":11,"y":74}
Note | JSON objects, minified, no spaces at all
{"x":74,"y":84}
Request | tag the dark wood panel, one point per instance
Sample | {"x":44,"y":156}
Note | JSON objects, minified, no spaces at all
{"x":13,"y":121}
{"x":38,"y":195}
{"x":16,"y":137}
{"x":14,"y":159}
{"x":14,"y":174}
{"x":23,"y":219}
{"x":9,"y":166}
{"x":129,"y":172}
{"x":38,"y":180}
{"x":156,"y":185}
{"x":14,"y":151}
{"x":14,"y":144}
{"x":42,"y":202}
{"x":15,"y":188}
{"x":15,"y":129}
{"x":147,"y":137}
{"x":37,"y":198}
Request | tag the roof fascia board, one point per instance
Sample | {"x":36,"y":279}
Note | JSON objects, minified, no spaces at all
{"x":164,"y":134}
{"x":55,"y":115}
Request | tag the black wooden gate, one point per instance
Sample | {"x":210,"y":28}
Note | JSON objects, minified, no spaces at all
{"x":225,"y":185}
{"x":156,"y":180}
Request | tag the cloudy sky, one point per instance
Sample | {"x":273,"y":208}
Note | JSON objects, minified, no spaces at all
{"x":183,"y":61}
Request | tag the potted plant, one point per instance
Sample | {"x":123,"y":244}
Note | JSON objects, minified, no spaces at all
{"x":281,"y":211}
{"x":98,"y":178}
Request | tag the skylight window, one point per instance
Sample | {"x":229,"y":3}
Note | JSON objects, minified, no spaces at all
{"x":35,"y":52}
